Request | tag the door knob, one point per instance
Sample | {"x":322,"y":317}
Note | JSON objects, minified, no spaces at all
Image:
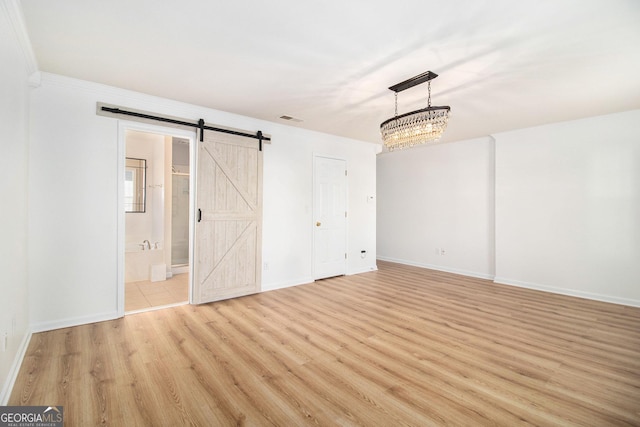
{"x":318,"y":224}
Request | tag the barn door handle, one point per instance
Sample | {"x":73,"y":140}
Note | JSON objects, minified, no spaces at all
{"x":199,"y":215}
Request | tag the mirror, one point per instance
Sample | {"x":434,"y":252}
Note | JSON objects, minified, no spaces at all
{"x":135,"y":174}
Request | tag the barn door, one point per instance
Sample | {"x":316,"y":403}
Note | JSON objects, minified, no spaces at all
{"x":228,"y":217}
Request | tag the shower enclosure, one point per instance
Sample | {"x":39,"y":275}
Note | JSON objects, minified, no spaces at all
{"x":180,"y":221}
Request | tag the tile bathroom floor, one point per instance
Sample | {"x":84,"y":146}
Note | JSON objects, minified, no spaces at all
{"x":146,"y":294}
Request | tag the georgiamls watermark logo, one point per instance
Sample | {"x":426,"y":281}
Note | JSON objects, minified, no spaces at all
{"x":31,"y":416}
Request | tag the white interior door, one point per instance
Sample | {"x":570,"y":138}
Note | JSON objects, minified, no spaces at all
{"x":228,"y":217}
{"x":330,"y":217}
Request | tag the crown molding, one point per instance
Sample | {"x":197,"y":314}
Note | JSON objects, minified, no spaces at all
{"x":35,"y":79}
{"x":13,"y":11}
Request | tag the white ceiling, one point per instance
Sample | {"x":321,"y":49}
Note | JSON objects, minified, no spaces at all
{"x":503,"y":64}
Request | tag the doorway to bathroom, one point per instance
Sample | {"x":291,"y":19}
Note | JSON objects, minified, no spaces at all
{"x":157,"y":199}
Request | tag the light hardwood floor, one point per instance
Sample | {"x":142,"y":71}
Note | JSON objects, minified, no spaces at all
{"x":400,"y":346}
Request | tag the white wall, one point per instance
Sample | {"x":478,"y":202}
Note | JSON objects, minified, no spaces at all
{"x":72,"y":220}
{"x":14,"y":97}
{"x":438,"y":197}
{"x":150,"y":224}
{"x":564,"y":207}
{"x":568,"y":207}
{"x":288,"y":204}
{"x":73,"y":195}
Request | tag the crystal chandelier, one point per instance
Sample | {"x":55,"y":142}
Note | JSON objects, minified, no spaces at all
{"x":417,"y":127}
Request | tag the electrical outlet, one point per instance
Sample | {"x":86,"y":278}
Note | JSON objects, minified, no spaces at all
{"x":13,"y":326}
{"x":265,"y":266}
{"x":442,"y":251}
{"x":5,"y":340}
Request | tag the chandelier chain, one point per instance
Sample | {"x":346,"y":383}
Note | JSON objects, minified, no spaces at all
{"x":396,"y":104}
{"x":429,"y":98}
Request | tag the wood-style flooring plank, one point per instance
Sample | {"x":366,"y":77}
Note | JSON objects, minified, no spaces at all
{"x":399,"y":346}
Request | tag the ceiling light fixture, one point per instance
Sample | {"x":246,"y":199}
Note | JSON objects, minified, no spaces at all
{"x":417,"y":127}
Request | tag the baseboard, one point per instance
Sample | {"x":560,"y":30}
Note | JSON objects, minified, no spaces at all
{"x":76,"y":321}
{"x":568,"y":292}
{"x":7,"y":388}
{"x":287,"y":284}
{"x":363,"y":270}
{"x":180,"y":269}
{"x":438,"y":268}
{"x":521,"y":284}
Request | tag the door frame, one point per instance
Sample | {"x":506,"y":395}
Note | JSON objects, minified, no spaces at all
{"x":123,"y":127}
{"x":314,"y":273}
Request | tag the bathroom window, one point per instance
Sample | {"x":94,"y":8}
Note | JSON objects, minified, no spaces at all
{"x":135,"y":172}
